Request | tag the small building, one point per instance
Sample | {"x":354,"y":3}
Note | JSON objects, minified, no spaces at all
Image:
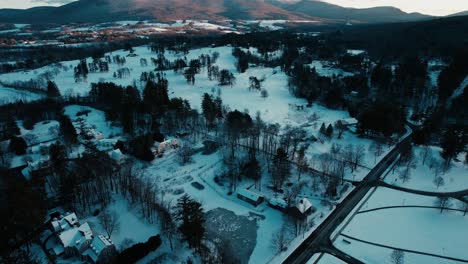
{"x":278,"y":203}
{"x":250,"y":197}
{"x":101,"y":250}
{"x":166,"y":145}
{"x":302,"y":209}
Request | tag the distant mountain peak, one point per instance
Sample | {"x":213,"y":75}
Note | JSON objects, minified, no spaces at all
{"x":170,"y":10}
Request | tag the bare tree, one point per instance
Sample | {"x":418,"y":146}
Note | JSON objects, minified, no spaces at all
{"x":110,"y":222}
{"x":439,"y":181}
{"x":302,"y":163}
{"x":168,"y":226}
{"x":280,"y":240}
{"x":348,"y":155}
{"x":437,"y":168}
{"x":358,"y":155}
{"x":184,"y":154}
{"x":442,"y":203}
{"x":291,"y":194}
{"x":340,"y":128}
{"x":464,"y":207}
{"x":426,"y":154}
{"x":405,"y":174}
{"x":397,"y":256}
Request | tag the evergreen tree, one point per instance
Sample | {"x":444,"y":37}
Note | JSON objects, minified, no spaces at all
{"x":190,"y":212}
{"x":18,"y":145}
{"x":11,"y":128}
{"x":68,"y":130}
{"x":329,"y":131}
{"x":323,"y":130}
{"x":155,"y":97}
{"x":281,"y":168}
{"x":211,"y":108}
{"x":52,"y":90}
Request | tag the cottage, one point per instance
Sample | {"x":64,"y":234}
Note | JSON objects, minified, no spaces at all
{"x":302,"y":209}
{"x":250,"y":197}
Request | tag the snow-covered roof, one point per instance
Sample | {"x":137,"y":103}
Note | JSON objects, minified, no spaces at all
{"x":65,"y":222}
{"x":249,"y":194}
{"x":76,"y":236}
{"x":303,"y":205}
{"x":116,"y":154}
{"x":98,"y":244}
{"x":278,"y":202}
{"x":349,"y":121}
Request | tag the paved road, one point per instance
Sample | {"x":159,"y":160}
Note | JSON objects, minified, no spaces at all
{"x":319,"y":240}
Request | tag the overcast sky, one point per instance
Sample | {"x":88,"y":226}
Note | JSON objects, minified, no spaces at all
{"x":431,"y":7}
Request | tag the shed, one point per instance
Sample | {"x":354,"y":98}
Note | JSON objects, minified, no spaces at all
{"x":250,"y":197}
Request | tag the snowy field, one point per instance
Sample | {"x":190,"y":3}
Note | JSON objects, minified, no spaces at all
{"x":419,"y":229}
{"x":422,"y":176}
{"x":9,"y":95}
{"x":175,"y":180}
{"x":94,"y":119}
{"x":325,"y":259}
{"x":238,"y":96}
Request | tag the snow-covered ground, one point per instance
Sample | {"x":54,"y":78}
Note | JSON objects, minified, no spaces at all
{"x":420,"y":229}
{"x":325,"y":68}
{"x":279,"y":107}
{"x":94,"y":119}
{"x":325,"y":259}
{"x":131,"y":229}
{"x":9,"y":95}
{"x":422,"y":175}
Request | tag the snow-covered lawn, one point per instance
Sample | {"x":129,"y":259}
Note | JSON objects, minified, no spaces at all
{"x":94,"y":119}
{"x":420,"y":229}
{"x":325,"y":259}
{"x":373,"y":254}
{"x":9,"y":95}
{"x":132,"y":228}
{"x":422,"y":176}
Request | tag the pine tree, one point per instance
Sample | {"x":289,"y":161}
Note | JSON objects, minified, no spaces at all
{"x":52,"y":90}
{"x":190,"y":212}
{"x":11,"y":128}
{"x":329,"y":131}
{"x":68,"y":130}
{"x":323,"y":130}
{"x":18,"y":145}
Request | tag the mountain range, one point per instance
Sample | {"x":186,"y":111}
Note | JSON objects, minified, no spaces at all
{"x":94,"y":11}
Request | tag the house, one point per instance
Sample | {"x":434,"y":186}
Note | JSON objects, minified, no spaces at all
{"x":101,"y":250}
{"x":166,"y":145}
{"x":77,"y":240}
{"x":301,"y":209}
{"x":250,"y":197}
{"x":73,"y":238}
